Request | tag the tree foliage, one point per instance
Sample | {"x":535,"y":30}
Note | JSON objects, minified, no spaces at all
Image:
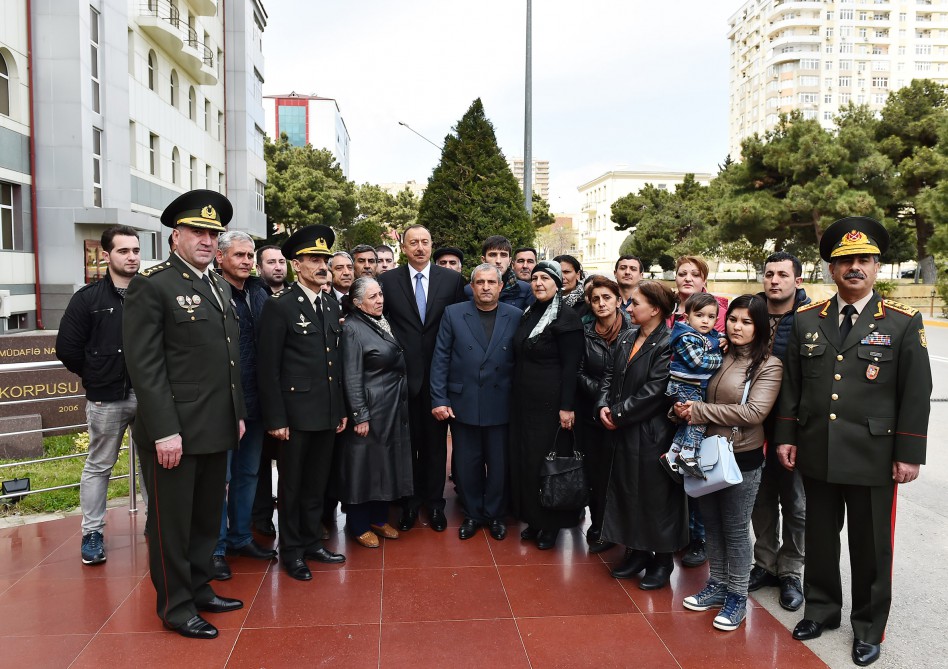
{"x":541,"y":212}
{"x":305,"y":186}
{"x":472,"y":193}
{"x":379,"y":213}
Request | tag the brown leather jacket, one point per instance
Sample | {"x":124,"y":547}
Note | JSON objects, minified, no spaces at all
{"x":723,"y":410}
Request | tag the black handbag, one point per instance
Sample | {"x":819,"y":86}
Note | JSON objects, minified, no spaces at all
{"x":563,"y":479}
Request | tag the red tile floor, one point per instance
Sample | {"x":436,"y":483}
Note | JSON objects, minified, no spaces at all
{"x":424,"y":600}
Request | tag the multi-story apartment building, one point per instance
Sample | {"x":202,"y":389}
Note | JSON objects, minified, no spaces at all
{"x":309,"y":119}
{"x":818,"y":55}
{"x":598,"y":240}
{"x":541,"y":175}
{"x":132,"y":103}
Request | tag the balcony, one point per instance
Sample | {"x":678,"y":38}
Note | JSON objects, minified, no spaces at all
{"x":204,"y":7}
{"x":160,"y":20}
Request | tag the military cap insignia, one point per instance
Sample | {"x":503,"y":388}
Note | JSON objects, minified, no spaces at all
{"x":922,"y":339}
{"x":812,"y":305}
{"x":901,"y":308}
{"x":189,"y":304}
{"x":209,"y":212}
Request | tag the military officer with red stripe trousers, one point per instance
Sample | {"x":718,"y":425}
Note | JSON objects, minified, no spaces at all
{"x":853,"y":418}
{"x":181,"y":349}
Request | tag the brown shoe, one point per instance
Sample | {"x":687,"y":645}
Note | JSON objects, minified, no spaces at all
{"x":385,"y":531}
{"x":368,"y":539}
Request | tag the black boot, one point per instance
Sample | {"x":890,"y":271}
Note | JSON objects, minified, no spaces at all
{"x":657,"y":572}
{"x":633,"y":562}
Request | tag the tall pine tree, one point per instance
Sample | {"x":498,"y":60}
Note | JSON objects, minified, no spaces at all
{"x":472,"y":194}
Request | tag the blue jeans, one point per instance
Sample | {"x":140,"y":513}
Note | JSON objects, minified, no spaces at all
{"x":687,"y":436}
{"x":242,"y":467}
{"x":727,"y":516}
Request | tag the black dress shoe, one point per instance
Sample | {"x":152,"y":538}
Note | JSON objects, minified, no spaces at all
{"x":323,"y":555}
{"x":220,"y":570}
{"x":791,"y":593}
{"x":438,"y":521}
{"x":633,"y":562}
{"x":298,"y":570}
{"x":695,"y":555}
{"x":529,"y":533}
{"x":255,"y":551}
{"x":592,"y":535}
{"x":864,"y":653}
{"x":546,"y":539}
{"x":221,"y":605}
{"x":195,"y":628}
{"x":658,"y":572}
{"x":761,"y":578}
{"x":468,"y":528}
{"x":808,"y":629}
{"x":600,"y":546}
{"x":408,"y":519}
{"x":498,"y":529}
{"x":265,"y":527}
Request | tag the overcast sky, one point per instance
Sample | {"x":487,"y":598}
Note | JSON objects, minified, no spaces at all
{"x":616,"y":83}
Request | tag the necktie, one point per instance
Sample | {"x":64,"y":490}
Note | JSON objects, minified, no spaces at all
{"x":420,"y":296}
{"x":207,"y":280}
{"x":847,"y":323}
{"x":318,"y":306}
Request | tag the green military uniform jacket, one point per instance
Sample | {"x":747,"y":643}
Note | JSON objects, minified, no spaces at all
{"x":182,"y":353}
{"x":299,"y":362}
{"x":854,"y":407}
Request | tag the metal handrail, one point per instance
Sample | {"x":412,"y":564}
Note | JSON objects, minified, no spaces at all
{"x":173,"y":17}
{"x":56,"y":487}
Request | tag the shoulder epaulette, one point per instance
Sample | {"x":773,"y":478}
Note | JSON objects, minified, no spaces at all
{"x":812,"y":305}
{"x":901,"y":308}
{"x":281,"y":292}
{"x":155,"y":269}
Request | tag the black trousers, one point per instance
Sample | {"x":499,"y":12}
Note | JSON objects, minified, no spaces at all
{"x":305,"y":460}
{"x":597,"y":447}
{"x":184,"y":511}
{"x":429,"y":445}
{"x":263,"y":500}
{"x":870,"y":512}
{"x":480,"y":469}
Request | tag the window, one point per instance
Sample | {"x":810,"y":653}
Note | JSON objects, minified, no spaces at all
{"x":207,"y":115}
{"x":827,"y":116}
{"x":879,"y":98}
{"x":132,"y":146}
{"x":175,"y":165}
{"x":220,"y":126}
{"x":846,"y":14}
{"x":220,"y":182}
{"x":846,"y":81}
{"x":94,"y":60}
{"x":845,"y":64}
{"x":809,"y":63}
{"x":808,"y":98}
{"x":6,"y":217}
{"x":845,"y":48}
{"x":192,"y":173}
{"x":153,"y":154}
{"x":192,"y":104}
{"x":828,"y":65}
{"x":844,"y":98}
{"x":809,"y":114}
{"x":207,"y":176}
{"x":174,"y":88}
{"x":4,"y":86}
{"x":805,"y":80}
{"x":923,"y":49}
{"x":257,"y":83}
{"x":880,"y":82}
{"x":96,"y":167}
{"x":829,"y":32}
{"x":828,"y":98}
{"x":152,"y":69}
{"x":260,"y":189}
{"x":922,"y":66}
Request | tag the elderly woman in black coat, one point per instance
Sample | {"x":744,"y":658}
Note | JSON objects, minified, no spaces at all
{"x":372,"y":464}
{"x":645,"y":511}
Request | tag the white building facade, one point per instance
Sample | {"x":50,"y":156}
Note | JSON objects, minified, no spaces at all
{"x":598,"y":240}
{"x":309,"y":119}
{"x":540,"y":177}
{"x":135,"y":102}
{"x":817,"y":56}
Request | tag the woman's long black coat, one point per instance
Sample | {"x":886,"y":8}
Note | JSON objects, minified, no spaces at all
{"x":645,"y":509}
{"x":376,"y":467}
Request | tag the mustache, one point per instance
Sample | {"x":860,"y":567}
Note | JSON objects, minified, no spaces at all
{"x":854,"y":274}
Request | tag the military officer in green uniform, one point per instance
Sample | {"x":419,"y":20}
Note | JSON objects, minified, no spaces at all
{"x":181,"y":348}
{"x":299,"y":371}
{"x":853,"y":417}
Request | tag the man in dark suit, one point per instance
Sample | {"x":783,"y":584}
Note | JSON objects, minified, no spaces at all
{"x":181,"y":349}
{"x":471,"y":377}
{"x":416,"y":295}
{"x":853,"y":418}
{"x":299,"y":370}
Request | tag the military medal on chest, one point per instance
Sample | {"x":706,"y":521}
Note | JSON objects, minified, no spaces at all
{"x":872,"y":371}
{"x":304,"y":323}
{"x":189,"y":304}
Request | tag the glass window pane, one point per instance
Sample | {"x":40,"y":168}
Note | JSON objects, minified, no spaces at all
{"x":6,"y":195}
{"x":6,"y":229}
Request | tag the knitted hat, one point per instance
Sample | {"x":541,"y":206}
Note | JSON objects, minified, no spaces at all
{"x":550,"y":268}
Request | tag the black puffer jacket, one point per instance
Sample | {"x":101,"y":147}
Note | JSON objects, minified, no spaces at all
{"x":597,"y":358}
{"x":89,"y":342}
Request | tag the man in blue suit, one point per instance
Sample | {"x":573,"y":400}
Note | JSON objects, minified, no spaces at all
{"x":471,"y":377}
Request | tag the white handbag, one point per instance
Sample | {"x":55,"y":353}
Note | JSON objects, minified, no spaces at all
{"x":716,"y":458}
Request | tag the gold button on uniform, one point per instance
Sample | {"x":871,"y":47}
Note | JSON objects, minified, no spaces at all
{"x":330,"y":378}
{"x":330,"y":363}
{"x":832,"y":416}
{"x":835,"y":396}
{"x":837,"y":377}
{"x":839,"y":357}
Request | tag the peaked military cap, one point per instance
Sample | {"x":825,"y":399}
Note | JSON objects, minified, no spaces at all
{"x":447,"y":251}
{"x":205,"y":209}
{"x":853,"y":236}
{"x":312,"y":240}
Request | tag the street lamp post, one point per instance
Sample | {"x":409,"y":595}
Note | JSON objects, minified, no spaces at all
{"x":528,"y":118}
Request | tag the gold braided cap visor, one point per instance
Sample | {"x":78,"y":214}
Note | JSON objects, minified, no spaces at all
{"x":855,"y":243}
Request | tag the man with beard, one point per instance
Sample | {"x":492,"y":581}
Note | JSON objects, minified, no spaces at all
{"x":299,"y":370}
{"x":416,"y":295}
{"x":89,"y":344}
{"x":182,"y":352}
{"x":449,"y":257}
{"x":853,"y":417}
{"x":271,"y":268}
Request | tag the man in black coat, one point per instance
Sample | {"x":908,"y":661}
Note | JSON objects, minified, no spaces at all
{"x":416,"y":295}
{"x":89,"y":344}
{"x":183,"y":357}
{"x":299,"y":370}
